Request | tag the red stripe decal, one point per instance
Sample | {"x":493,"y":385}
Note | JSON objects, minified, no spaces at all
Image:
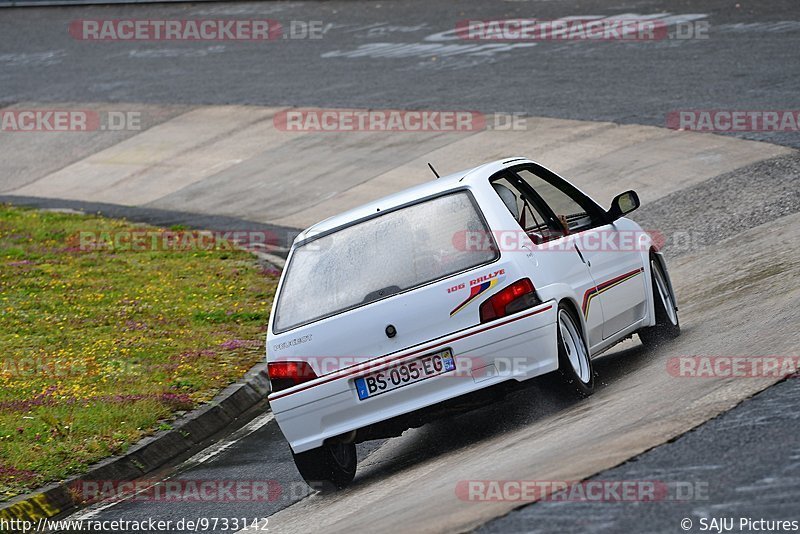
{"x":592,"y":291}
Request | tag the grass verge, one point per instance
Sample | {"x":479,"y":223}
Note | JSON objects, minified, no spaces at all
{"x":99,"y":348}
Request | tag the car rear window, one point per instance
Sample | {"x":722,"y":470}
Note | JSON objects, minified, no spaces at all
{"x":393,"y":252}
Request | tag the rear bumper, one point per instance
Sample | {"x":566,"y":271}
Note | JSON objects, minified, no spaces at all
{"x":517,"y":347}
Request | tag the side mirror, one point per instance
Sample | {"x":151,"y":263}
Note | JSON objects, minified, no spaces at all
{"x":623,"y":204}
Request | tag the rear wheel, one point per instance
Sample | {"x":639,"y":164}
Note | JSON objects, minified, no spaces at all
{"x":667,"y":324}
{"x":574,"y":363}
{"x":328,"y":468}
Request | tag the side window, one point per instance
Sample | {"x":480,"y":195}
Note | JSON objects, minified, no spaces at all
{"x":572,"y":212}
{"x":525,"y":209}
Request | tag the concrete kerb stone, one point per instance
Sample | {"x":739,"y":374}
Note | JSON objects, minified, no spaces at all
{"x":150,"y":454}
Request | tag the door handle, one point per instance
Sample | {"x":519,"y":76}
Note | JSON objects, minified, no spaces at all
{"x":588,"y":263}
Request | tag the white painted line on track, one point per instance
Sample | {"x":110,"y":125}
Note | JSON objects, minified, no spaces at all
{"x":210,"y":452}
{"x":224,"y":444}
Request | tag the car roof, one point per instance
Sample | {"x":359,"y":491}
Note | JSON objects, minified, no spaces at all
{"x":439,"y":185}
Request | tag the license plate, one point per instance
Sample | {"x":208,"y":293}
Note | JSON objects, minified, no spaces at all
{"x":403,"y":374}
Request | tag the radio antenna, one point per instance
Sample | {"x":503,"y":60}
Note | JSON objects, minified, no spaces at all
{"x":433,"y":170}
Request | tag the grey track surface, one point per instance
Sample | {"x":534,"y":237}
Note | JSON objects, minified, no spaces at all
{"x":382,"y":54}
{"x":745,"y":462}
{"x":36,"y":3}
{"x":262,"y":457}
{"x":716,"y":209}
{"x":271,"y":461}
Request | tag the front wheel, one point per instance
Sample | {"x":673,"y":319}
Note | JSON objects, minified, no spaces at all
{"x":667,"y":324}
{"x":328,"y":468}
{"x":574,"y":363}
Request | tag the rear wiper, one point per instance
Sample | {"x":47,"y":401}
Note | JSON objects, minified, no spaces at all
{"x":381,"y":293}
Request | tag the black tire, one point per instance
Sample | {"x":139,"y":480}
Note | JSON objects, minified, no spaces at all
{"x":667,"y":326}
{"x":328,"y":468}
{"x":579,"y":382}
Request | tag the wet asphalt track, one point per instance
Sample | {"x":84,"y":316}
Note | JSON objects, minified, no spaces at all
{"x":403,"y":54}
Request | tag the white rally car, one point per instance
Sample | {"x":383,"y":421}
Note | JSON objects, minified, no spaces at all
{"x":442,"y":295}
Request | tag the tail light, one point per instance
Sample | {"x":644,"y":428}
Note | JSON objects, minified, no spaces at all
{"x":286,"y":374}
{"x":517,"y":297}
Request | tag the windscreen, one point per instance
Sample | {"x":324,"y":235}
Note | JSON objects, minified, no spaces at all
{"x":387,"y":254}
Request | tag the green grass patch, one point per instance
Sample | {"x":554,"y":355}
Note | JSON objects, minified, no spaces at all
{"x":99,"y":348}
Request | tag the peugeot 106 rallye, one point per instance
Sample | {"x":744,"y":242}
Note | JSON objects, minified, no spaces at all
{"x":394,"y":313}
